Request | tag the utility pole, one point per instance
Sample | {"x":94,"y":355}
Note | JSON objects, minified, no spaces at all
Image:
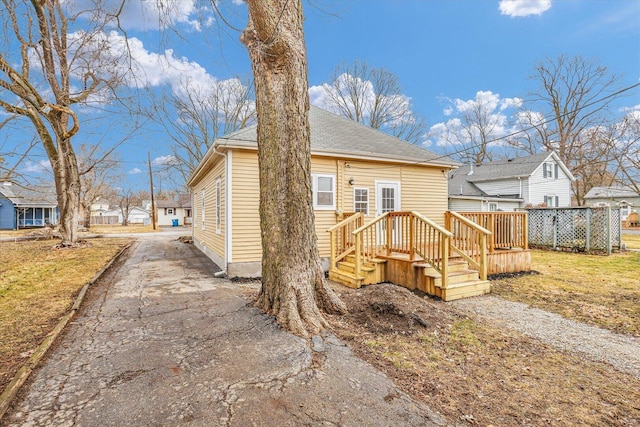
{"x":153,"y":202}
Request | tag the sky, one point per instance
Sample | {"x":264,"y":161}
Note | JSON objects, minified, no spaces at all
{"x":446,"y":55}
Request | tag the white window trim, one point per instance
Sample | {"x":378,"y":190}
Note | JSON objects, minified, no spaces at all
{"x":489,"y":204}
{"x":317,"y":207}
{"x":366,"y":213}
{"x":170,"y":211}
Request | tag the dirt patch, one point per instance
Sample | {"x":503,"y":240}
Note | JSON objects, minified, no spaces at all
{"x":474,"y":372}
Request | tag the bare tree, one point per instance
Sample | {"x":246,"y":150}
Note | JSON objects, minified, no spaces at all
{"x":626,"y":149}
{"x":203,"y":114}
{"x":472,"y":136}
{"x":97,"y":174}
{"x":576,"y":94}
{"x":293,"y":284}
{"x":45,"y":70}
{"x":373,"y":97}
{"x":127,"y":199}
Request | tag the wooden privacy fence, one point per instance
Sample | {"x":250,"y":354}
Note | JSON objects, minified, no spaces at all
{"x":508,"y":229}
{"x":581,"y":228}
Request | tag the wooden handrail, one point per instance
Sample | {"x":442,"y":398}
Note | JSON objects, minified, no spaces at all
{"x":432,"y":224}
{"x":340,"y":240}
{"x":470,"y":223}
{"x":373,"y":221}
{"x":469,"y":241}
{"x":345,"y":221}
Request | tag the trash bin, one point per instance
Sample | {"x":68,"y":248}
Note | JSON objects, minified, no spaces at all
{"x":175,"y":222}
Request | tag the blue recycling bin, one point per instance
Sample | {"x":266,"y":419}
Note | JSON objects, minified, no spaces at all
{"x":175,"y":222}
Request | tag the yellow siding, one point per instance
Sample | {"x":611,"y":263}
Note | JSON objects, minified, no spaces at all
{"x":423,"y":189}
{"x":208,"y":234}
{"x":246,"y":246}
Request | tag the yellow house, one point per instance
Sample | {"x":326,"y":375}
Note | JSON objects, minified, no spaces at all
{"x":354,"y":169}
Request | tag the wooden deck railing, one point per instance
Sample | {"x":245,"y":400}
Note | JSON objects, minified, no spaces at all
{"x":469,"y":240}
{"x":431,"y":242}
{"x":508,"y":229}
{"x":412,"y":234}
{"x":342,"y":240}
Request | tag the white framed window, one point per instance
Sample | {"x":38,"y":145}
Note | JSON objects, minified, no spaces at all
{"x":169,"y":211}
{"x":324,"y":192}
{"x":551,"y":201}
{"x":361,"y":200}
{"x":218,"y":206}
{"x":493,"y":207}
{"x":202,"y":209}
{"x":550,"y":170}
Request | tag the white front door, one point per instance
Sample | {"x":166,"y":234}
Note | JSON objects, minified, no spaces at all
{"x":387,"y":200}
{"x":387,"y":197}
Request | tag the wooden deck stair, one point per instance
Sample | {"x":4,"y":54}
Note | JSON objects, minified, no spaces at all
{"x":410,"y":250}
{"x":370,"y":273}
{"x":463,"y":282}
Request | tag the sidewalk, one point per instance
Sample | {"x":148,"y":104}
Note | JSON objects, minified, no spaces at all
{"x":163,"y":342}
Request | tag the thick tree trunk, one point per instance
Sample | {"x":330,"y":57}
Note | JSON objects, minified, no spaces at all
{"x":293,"y":285}
{"x":67,"y":178}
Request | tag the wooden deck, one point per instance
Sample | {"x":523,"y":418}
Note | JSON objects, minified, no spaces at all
{"x":411,"y":251}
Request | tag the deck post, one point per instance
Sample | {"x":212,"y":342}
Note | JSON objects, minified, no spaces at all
{"x":332,"y":243}
{"x":483,"y":256}
{"x":444,"y":271}
{"x":492,"y":228}
{"x":411,"y":236}
{"x":525,"y":231}
{"x":358,"y":254}
{"x":389,"y":234}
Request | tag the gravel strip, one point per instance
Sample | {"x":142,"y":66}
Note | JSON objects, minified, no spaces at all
{"x":599,"y":345}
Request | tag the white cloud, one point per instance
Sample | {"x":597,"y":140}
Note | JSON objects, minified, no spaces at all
{"x":37,"y":167}
{"x":135,"y":171}
{"x":164,"y":160}
{"x":461,"y":129}
{"x":519,"y":8}
{"x":154,"y":15}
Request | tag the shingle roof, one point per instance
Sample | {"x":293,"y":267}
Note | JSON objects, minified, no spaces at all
{"x":616,"y":191}
{"x":334,"y":134}
{"x":32,"y":196}
{"x":183,"y":201}
{"x":463,"y":177}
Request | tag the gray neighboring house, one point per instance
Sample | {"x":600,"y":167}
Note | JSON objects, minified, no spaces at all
{"x":22,"y":207}
{"x":511,"y":184}
{"x":617,"y":196}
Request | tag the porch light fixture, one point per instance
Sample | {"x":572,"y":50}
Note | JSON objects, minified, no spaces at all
{"x":351,"y":181}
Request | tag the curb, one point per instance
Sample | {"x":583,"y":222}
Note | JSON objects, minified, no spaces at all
{"x":23,"y":373}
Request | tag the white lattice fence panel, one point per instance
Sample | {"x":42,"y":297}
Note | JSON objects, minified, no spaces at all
{"x":575,"y":228}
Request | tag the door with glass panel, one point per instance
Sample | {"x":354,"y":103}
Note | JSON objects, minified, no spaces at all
{"x":387,"y":200}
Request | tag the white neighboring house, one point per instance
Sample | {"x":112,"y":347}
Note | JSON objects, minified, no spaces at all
{"x":618,"y":196}
{"x":511,"y":184}
{"x":174,"y":212}
{"x":136,"y":215}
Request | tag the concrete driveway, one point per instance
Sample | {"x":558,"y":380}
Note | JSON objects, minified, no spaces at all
{"x":161,"y":342}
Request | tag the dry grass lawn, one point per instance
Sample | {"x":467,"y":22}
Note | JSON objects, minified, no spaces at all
{"x":631,"y":240}
{"x":38,"y":286}
{"x":117,"y":229}
{"x":595,"y":289}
